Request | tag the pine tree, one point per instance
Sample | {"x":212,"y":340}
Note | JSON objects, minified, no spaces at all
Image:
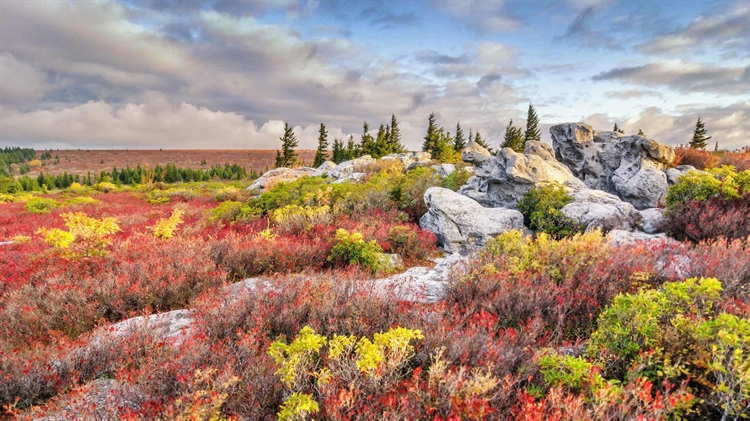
{"x":395,"y":138}
{"x":699,"y":135}
{"x":716,"y":148}
{"x":532,"y":129}
{"x":618,"y":130}
{"x":367,"y":143}
{"x":321,"y":155}
{"x":382,"y":147}
{"x":288,"y":156}
{"x":339,"y":152}
{"x":444,"y":150}
{"x":431,"y":137}
{"x":513,"y":138}
{"x":640,"y":133}
{"x":351,"y":149}
{"x":479,"y":141}
{"x":459,"y":142}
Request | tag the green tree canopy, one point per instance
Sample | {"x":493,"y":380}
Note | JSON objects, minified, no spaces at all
{"x":287,"y":157}
{"x":514,"y":138}
{"x":700,"y":139}
{"x":532,"y":126}
{"x":321,"y":155}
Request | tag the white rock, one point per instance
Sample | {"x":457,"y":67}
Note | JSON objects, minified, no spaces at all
{"x":475,"y":188}
{"x":598,"y":209}
{"x":326,"y":166}
{"x":646,"y":189}
{"x":461,"y":224}
{"x":420,"y":284}
{"x":354,"y":177}
{"x":652,"y":220}
{"x":622,"y":237}
{"x":347,"y":167}
{"x":444,"y":170}
{"x":407,"y":157}
{"x":674,"y":174}
{"x":170,"y":326}
{"x":281,"y":175}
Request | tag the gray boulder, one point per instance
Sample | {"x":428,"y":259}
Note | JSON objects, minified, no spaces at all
{"x":170,"y":326}
{"x":622,"y":237}
{"x":510,"y":174}
{"x":420,"y":284}
{"x":461,"y":224}
{"x":353,"y":177}
{"x":281,"y":175}
{"x":674,"y":174}
{"x":652,"y":220}
{"x":326,"y":166}
{"x":475,"y":188}
{"x":408,"y":157}
{"x":347,"y":167}
{"x":444,"y":170}
{"x":598,"y":209}
{"x":631,"y":167}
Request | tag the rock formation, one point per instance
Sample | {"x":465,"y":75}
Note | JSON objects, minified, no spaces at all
{"x":632,"y":167}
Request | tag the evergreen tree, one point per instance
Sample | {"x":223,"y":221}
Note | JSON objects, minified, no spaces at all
{"x":716,"y":148}
{"x":382,"y":146}
{"x":618,"y":129}
{"x":479,"y":141}
{"x":532,"y":129}
{"x":287,"y":157}
{"x":351,"y":149}
{"x":444,"y":150}
{"x":367,"y":143}
{"x":395,"y":138}
{"x":699,"y":135}
{"x":339,"y":152}
{"x":321,"y":155}
{"x":471,"y":135}
{"x":513,"y":138}
{"x":432,"y":136}
{"x":640,"y":133}
{"x":458,"y":141}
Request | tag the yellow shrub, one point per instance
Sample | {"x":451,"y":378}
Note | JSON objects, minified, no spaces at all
{"x":20,"y":239}
{"x":85,"y":200}
{"x":166,"y":227}
{"x":18,"y":197}
{"x":105,"y":187}
{"x":35,"y":163}
{"x":85,"y":236}
{"x":294,"y":217}
{"x":227,"y":193}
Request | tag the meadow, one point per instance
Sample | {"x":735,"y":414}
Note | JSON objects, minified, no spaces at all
{"x":531,"y":328}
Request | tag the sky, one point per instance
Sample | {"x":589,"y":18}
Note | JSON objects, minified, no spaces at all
{"x":216,"y":74}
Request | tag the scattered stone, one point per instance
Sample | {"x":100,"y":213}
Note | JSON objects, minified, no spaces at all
{"x":652,"y":220}
{"x":461,"y":224}
{"x":170,"y":326}
{"x":598,"y":209}
{"x":420,"y":284}
{"x":674,"y":174}
{"x":281,"y":175}
{"x":416,"y":164}
{"x":354,"y":177}
{"x":347,"y":167}
{"x":98,"y":400}
{"x":622,"y":237}
{"x":444,"y":170}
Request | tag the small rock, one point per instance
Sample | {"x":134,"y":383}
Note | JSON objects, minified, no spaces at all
{"x":326,"y":166}
{"x":652,"y":220}
{"x":420,"y":284}
{"x":347,"y":167}
{"x":281,"y":175}
{"x":622,"y":237}
{"x":444,"y":170}
{"x":598,"y":209}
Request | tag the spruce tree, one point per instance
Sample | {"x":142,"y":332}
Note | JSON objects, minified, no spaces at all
{"x":367,"y":143}
{"x":288,"y":155}
{"x":699,"y":135}
{"x":459,"y":142}
{"x":321,"y":155}
{"x":513,"y":138}
{"x":432,"y":136}
{"x":618,"y":129}
{"x":532,"y":127}
{"x":444,"y":150}
{"x":716,"y":147}
{"x":382,"y":147}
{"x":351,"y":149}
{"x":479,"y":141}
{"x":395,"y":138}
{"x":339,"y":152}
{"x":640,"y":133}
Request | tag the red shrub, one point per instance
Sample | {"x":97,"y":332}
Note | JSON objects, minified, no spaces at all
{"x":739,"y":159}
{"x":699,"y":158}
{"x":698,"y":220}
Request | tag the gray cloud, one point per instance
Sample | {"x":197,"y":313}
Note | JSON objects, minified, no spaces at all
{"x":727,"y":31}
{"x":484,"y":16}
{"x":632,"y":94}
{"x":581,"y":32}
{"x":684,"y":77}
{"x":385,"y":19}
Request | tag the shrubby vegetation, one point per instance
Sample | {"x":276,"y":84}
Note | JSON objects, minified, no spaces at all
{"x":561,"y":326}
{"x":541,"y":206}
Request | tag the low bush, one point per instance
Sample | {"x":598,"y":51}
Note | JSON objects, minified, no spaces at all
{"x":226,"y":212}
{"x":412,"y":244}
{"x":294,"y":218}
{"x":456,"y":179}
{"x":699,"y":158}
{"x":541,"y":206}
{"x":227,"y":193}
{"x":105,"y":187}
{"x":41,"y":205}
{"x":408,"y":193}
{"x":352,"y":249}
{"x":166,"y":227}
{"x":709,"y":205}
{"x":86,"y":236}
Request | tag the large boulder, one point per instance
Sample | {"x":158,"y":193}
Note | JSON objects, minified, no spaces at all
{"x":444,"y":170}
{"x":347,"y":167}
{"x":326,"y":166}
{"x":594,"y":209}
{"x":652,"y":220}
{"x":281,"y":175}
{"x":510,"y":174}
{"x":475,"y":188}
{"x":632,"y":167}
{"x":407,"y":158}
{"x":420,"y":284}
{"x":674,"y":174}
{"x":622,"y":237}
{"x":461,"y":224}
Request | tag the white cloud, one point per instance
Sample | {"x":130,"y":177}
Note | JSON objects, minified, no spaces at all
{"x":20,"y":82}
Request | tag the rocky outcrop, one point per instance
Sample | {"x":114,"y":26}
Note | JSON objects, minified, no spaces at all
{"x":510,"y":174}
{"x":444,"y":170}
{"x":476,"y":189}
{"x":408,"y":158}
{"x":281,"y":175}
{"x":622,"y":237}
{"x":353,"y":177}
{"x":420,"y":284}
{"x":172,"y":326}
{"x":461,"y":224}
{"x":326,"y":166}
{"x":594,"y":209}
{"x":632,"y":167}
{"x":674,"y":174}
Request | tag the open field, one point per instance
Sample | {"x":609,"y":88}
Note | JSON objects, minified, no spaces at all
{"x":80,"y":161}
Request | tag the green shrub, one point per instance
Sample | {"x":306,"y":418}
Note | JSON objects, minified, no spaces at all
{"x":227,"y":193}
{"x":574,"y":373}
{"x":10,"y":185}
{"x":408,"y":193}
{"x":456,"y":179}
{"x":41,"y":205}
{"x":226,"y":212}
{"x":352,"y":249}
{"x":722,"y":182}
{"x":405,"y":241}
{"x":541,"y":206}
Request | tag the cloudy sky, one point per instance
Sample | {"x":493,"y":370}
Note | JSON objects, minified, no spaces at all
{"x":226,"y":74}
